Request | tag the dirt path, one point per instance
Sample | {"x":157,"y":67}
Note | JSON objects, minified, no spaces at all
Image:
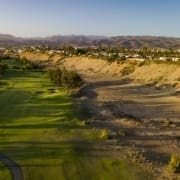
{"x":15,"y":169}
{"x":137,"y":115}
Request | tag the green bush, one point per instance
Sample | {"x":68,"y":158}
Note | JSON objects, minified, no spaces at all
{"x":174,"y":164}
{"x":55,"y":76}
{"x":64,"y":78}
{"x":104,"y":134}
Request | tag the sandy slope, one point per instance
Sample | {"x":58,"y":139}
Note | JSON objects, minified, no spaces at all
{"x":157,"y":74}
{"x":168,"y":74}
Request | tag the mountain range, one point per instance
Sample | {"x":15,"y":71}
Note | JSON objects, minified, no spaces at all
{"x":7,"y":40}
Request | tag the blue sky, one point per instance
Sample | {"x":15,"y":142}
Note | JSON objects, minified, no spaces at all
{"x":90,"y":17}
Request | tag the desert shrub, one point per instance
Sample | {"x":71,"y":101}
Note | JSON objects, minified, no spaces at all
{"x":174,"y":164}
{"x":51,"y":56}
{"x":55,"y":76}
{"x":104,"y":134}
{"x":64,"y":78}
{"x":127,"y":70}
{"x":157,"y":80}
{"x":70,"y":79}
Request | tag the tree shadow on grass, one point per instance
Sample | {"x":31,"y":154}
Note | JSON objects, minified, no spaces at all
{"x":22,"y":105}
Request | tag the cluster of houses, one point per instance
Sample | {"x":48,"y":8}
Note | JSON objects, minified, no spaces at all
{"x":175,"y":59}
{"x":94,"y":51}
{"x":8,"y":52}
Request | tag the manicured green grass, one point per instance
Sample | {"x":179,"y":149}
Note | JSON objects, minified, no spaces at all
{"x":41,"y":130}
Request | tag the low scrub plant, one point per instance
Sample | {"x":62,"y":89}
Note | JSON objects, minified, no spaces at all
{"x":174,"y":164}
{"x":104,"y":134}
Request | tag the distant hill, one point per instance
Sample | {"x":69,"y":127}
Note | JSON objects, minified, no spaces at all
{"x":146,"y":41}
{"x":123,"y":41}
{"x":6,"y":37}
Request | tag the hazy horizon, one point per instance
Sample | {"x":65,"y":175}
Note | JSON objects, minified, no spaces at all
{"x":42,"y":18}
{"x":90,"y":35}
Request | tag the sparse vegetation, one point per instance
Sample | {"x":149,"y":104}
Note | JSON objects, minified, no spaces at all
{"x":127,"y":70}
{"x":156,"y":80}
{"x":104,"y":134}
{"x":174,"y":164}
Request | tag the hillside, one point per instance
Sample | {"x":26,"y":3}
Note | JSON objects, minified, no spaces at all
{"x":158,"y":75}
{"x":122,"y":41}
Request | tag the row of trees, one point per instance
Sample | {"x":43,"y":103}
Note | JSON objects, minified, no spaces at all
{"x":142,"y":51}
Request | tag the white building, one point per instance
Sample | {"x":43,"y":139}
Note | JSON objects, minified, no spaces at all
{"x":175,"y":59}
{"x":163,"y":58}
